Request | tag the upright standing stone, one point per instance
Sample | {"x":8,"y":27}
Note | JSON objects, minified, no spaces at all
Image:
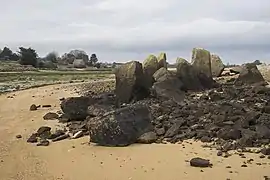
{"x":201,"y":61}
{"x":217,"y":65}
{"x":188,"y":75}
{"x":130,"y":82}
{"x":150,"y":66}
{"x":162,"y":60}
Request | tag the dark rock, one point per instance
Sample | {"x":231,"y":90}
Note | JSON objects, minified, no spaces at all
{"x":59,"y":138}
{"x":75,"y":108}
{"x":162,"y":73}
{"x":199,"y":162}
{"x":265,"y":151}
{"x":217,"y":66}
{"x":262,"y":131}
{"x":160,"y":131}
{"x":188,"y":75}
{"x":50,"y":116}
{"x":130,"y":83}
{"x":249,"y":75}
{"x":98,"y":109}
{"x":18,"y":136}
{"x":219,"y":153}
{"x":169,"y":88}
{"x":33,"y":107}
{"x":32,"y":138}
{"x":42,"y":130}
{"x":147,"y":138}
{"x":206,"y":139}
{"x":173,"y":130}
{"x":46,"y":106}
{"x":121,"y":127}
{"x":262,"y":156}
{"x":244,"y":165}
{"x":227,"y":134}
{"x":43,"y":143}
{"x":56,"y":134}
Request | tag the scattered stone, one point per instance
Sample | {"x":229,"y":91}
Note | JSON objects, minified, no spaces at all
{"x":59,"y":138}
{"x":244,"y":165}
{"x":228,"y":167}
{"x":199,"y":162}
{"x":18,"y":136}
{"x":217,"y":65}
{"x":147,"y":138}
{"x":56,"y":134}
{"x":32,"y":138}
{"x":265,"y":151}
{"x":46,"y":106}
{"x":50,"y":116}
{"x":33,"y":107}
{"x":43,"y":143}
{"x":262,"y":156}
{"x":219,"y":153}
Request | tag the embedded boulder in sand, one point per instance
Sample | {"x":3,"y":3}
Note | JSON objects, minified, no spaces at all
{"x":120,"y":127}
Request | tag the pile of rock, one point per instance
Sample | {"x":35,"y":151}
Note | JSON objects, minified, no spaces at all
{"x":152,"y":104}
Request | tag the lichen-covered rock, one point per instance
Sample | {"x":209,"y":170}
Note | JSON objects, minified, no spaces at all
{"x":130,"y":82}
{"x":217,"y":65}
{"x":201,"y":61}
{"x":121,"y":127}
{"x":150,"y":66}
{"x":162,"y":60}
{"x":249,"y":75}
{"x":188,"y":75}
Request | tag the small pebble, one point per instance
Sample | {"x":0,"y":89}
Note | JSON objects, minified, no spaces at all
{"x":219,"y":153}
{"x":228,"y":167}
{"x":262,"y":156}
{"x":19,"y":136}
{"x":244,"y":165}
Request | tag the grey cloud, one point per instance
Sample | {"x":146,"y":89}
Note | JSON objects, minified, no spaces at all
{"x":124,"y":30}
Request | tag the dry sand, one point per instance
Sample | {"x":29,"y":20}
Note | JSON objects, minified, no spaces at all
{"x":77,"y":160}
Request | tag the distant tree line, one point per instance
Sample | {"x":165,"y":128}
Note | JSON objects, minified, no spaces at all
{"x":29,"y":56}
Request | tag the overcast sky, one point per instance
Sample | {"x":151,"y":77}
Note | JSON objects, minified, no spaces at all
{"x":122,"y":30}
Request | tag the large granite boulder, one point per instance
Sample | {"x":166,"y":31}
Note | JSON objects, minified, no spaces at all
{"x":249,"y":75}
{"x":188,"y":75}
{"x":217,"y":65}
{"x":150,"y":66}
{"x":168,"y":85}
{"x":75,"y":108}
{"x":130,"y":82}
{"x":162,"y":60}
{"x":121,"y":127}
{"x":162,"y":72}
{"x":201,"y":61}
